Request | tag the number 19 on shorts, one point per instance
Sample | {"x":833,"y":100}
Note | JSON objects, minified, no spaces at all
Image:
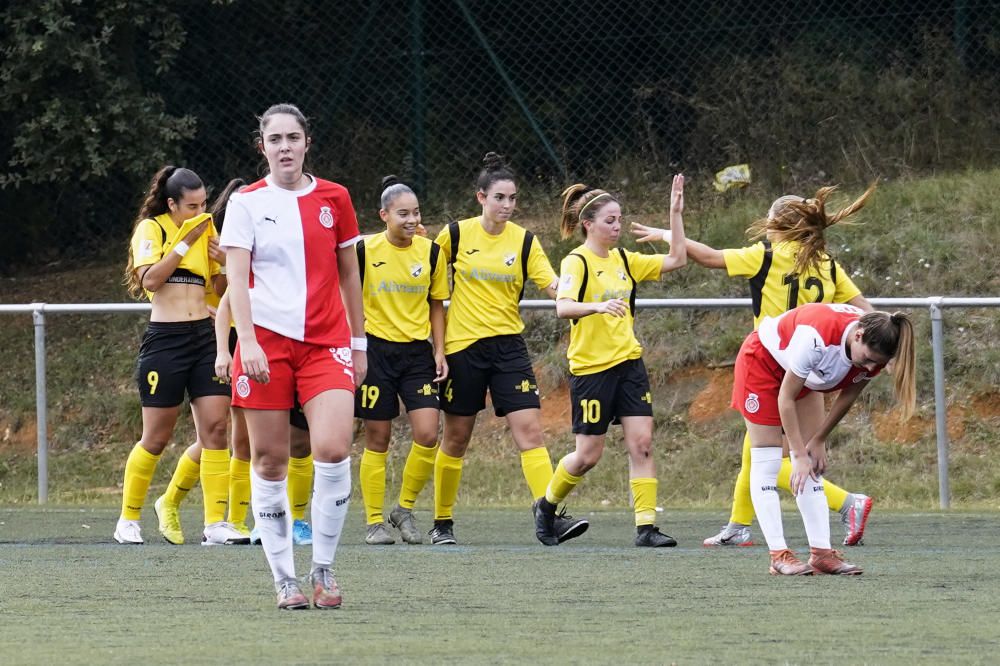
{"x":369,"y":396}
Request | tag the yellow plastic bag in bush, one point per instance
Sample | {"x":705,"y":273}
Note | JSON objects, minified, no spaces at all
{"x":737,"y":175}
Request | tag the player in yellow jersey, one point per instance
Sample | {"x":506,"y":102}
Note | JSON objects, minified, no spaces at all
{"x":169,"y":259}
{"x":609,"y":383}
{"x":404,"y":283}
{"x":788,"y":267}
{"x":492,"y":259}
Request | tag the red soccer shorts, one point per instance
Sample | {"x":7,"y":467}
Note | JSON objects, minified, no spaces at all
{"x":756,"y":382}
{"x":297,"y":368}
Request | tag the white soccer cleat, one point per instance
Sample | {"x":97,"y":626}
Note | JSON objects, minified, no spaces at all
{"x":731,"y":535}
{"x":128,"y":532}
{"x":223,"y":534}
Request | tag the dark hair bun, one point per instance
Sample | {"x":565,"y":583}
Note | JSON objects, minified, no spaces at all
{"x":389,"y":181}
{"x":493,"y":161}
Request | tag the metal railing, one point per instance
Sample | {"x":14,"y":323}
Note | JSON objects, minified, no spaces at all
{"x":935,"y":304}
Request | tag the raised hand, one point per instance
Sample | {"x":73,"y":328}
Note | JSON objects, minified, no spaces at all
{"x":677,"y":194}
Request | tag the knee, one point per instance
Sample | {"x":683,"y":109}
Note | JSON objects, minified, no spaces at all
{"x":642,"y":447}
{"x":426,"y":437}
{"x":589,"y":457}
{"x":270,"y":467}
{"x":214,"y":435}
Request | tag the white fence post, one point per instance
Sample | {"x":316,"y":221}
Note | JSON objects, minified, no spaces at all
{"x":41,"y":402}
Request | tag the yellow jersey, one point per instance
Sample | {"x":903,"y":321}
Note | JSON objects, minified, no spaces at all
{"x":601,"y":341}
{"x":155,"y":237}
{"x":396,"y":283}
{"x":488,"y":279}
{"x":775,"y":289}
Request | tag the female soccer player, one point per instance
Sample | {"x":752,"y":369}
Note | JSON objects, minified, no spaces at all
{"x":404,"y":283}
{"x":301,"y":333}
{"x":492,"y":259}
{"x":609,"y":383}
{"x":788,"y":267}
{"x":173,"y":266}
{"x":815,"y":347}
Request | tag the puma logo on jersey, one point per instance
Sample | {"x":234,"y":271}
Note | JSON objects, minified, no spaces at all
{"x":378,"y":263}
{"x":599,"y":273}
{"x":473,"y":251}
{"x":272,"y":220}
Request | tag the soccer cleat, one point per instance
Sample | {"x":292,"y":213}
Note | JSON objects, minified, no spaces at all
{"x":402,"y":520}
{"x":649,"y":536}
{"x":567,"y":527}
{"x":378,"y":535}
{"x":326,"y":592}
{"x":128,"y":532}
{"x":545,"y":522}
{"x":290,"y":595}
{"x":784,"y":563}
{"x":731,"y":535}
{"x":255,"y":537}
{"x":855,"y":520}
{"x":170,"y":521}
{"x":222,"y":534}
{"x":829,"y":561}
{"x":302,"y":533}
{"x":443,"y":533}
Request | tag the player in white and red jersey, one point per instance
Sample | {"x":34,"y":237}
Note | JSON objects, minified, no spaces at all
{"x":295,"y":294}
{"x":816,"y":347}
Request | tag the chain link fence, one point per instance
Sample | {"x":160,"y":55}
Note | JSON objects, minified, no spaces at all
{"x":619,"y":92}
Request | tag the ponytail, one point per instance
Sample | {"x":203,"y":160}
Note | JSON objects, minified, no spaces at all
{"x":218,"y":208}
{"x":803,"y":221}
{"x":170,"y":182}
{"x":580,"y":202}
{"x":892,"y":336}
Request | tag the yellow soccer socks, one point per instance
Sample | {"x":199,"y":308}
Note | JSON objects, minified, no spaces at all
{"x":139,"y":469}
{"x":537,"y":468}
{"x":417,"y":471}
{"x":561,"y":485}
{"x":239,"y":492}
{"x":447,"y":477}
{"x":300,"y":481}
{"x":215,"y":484}
{"x":644,"y":501}
{"x":186,"y":474}
{"x":742,"y":513}
{"x":372,"y":477}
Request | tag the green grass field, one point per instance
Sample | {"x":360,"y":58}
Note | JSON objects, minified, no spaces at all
{"x":71,"y":595}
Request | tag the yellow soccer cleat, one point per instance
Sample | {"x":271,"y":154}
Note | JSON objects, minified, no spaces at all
{"x":170,"y":521}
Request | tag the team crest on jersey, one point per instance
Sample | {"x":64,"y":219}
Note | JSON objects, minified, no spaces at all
{"x":752,"y":405}
{"x":621,"y":275}
{"x":566,"y":281}
{"x":326,"y":216}
{"x":416,"y":269}
{"x":508,"y":259}
{"x":146,"y":248}
{"x":343,"y":356}
{"x":243,"y":386}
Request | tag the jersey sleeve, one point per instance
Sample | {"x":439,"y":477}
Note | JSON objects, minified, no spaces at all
{"x":444,"y":240}
{"x":348,"y":233}
{"x":147,"y":244}
{"x":745,"y":261}
{"x":570,"y":278}
{"x":539,"y":269}
{"x":238,"y":230}
{"x":844,"y":289}
{"x":805,"y":350}
{"x":439,"y":290}
{"x":644,"y":267}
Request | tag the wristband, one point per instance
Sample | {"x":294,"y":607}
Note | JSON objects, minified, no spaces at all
{"x":181,"y":248}
{"x":359,"y":344}
{"x":222,"y":270}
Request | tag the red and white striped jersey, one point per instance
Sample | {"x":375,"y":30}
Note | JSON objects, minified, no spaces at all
{"x":293,"y":236}
{"x":810,"y":341}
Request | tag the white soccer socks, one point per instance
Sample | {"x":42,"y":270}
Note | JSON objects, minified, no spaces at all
{"x":815,"y":513}
{"x":273,"y":518}
{"x":331,"y":496}
{"x":764,"y":466}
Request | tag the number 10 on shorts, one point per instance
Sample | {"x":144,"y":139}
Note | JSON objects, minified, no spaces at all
{"x":591,"y":410}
